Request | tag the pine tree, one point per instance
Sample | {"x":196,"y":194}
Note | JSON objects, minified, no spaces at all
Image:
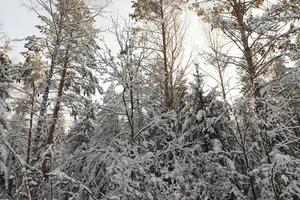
{"x":70,"y":41}
{"x":5,"y":79}
{"x":260,"y":39}
{"x":77,"y":60}
{"x":30,"y":79}
{"x":253,"y":35}
{"x":164,"y":35}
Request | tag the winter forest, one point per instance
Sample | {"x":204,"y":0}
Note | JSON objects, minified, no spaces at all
{"x":155,"y":116}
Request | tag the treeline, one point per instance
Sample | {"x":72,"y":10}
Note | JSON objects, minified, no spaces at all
{"x":150,"y":134}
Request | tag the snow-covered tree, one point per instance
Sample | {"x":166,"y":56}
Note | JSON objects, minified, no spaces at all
{"x":164,"y":31}
{"x":5,"y":65}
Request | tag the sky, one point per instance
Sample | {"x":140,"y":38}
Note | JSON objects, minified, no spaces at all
{"x":18,"y":21}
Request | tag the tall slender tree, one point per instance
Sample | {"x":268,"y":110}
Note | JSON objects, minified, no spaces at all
{"x":32,"y":73}
{"x":5,"y":63}
{"x":72,"y":27}
{"x":258,"y":31}
{"x":165,"y":34}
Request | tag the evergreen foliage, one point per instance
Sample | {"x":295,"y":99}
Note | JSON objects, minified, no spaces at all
{"x":81,"y":120}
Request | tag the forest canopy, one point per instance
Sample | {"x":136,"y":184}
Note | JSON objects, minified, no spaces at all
{"x":154,"y":117}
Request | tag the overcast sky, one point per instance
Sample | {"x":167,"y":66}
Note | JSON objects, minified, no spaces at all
{"x":18,"y":21}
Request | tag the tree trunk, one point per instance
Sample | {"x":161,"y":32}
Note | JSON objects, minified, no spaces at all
{"x":30,"y":125}
{"x":45,"y":168}
{"x":246,"y":160}
{"x":251,"y":69}
{"x":43,"y":108}
{"x":168,"y":101}
{"x":57,"y":104}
